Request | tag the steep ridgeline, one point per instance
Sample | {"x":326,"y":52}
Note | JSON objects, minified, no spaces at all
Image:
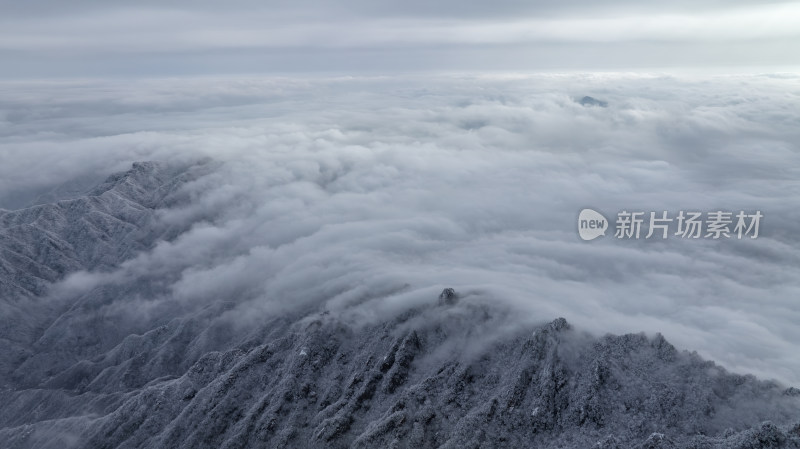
{"x":434,"y":376}
{"x":408,"y":383}
{"x":41,"y":244}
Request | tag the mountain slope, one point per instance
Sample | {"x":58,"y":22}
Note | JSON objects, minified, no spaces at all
{"x":41,"y":244}
{"x":434,"y":376}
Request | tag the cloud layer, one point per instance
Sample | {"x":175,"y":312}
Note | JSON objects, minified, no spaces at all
{"x":366,"y":196}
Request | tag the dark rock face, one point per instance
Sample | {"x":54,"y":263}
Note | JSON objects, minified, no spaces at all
{"x":315,"y":381}
{"x":448,"y":296}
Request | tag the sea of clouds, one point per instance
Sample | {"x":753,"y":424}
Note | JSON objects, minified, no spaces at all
{"x":365,"y":196}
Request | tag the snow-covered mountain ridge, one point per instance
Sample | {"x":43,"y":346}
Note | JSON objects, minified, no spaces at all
{"x":75,"y":375}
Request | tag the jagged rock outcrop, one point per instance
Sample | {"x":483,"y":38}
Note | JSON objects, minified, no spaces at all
{"x":327,"y":385}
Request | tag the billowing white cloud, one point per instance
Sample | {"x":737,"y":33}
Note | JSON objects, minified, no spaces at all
{"x":365,"y":196}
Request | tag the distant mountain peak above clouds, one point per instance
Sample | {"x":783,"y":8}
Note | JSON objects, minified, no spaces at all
{"x":591,"y":101}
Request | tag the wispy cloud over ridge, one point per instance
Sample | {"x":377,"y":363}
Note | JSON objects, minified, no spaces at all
{"x":368,"y":195}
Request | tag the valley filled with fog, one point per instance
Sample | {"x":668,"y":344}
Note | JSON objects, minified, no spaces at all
{"x":158,"y":234}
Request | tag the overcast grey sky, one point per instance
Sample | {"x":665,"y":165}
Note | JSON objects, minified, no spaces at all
{"x":155,"y":38}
